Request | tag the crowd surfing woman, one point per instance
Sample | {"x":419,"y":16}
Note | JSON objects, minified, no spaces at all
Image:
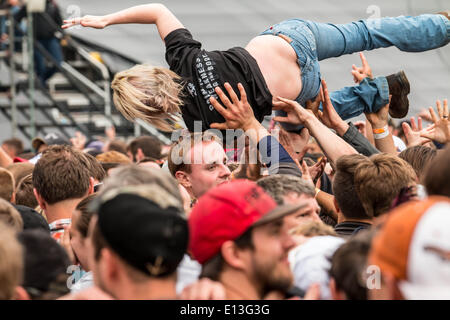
{"x":283,"y":61}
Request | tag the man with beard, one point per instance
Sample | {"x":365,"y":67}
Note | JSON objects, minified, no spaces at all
{"x":236,"y":234}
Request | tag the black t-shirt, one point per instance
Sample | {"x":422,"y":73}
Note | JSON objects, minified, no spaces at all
{"x":349,"y":228}
{"x":203,"y":70}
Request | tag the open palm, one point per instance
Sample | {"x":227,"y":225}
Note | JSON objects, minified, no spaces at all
{"x":295,"y":113}
{"x":440,"y":130}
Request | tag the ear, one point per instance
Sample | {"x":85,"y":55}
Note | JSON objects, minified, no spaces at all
{"x":21,"y":294}
{"x":336,"y":205}
{"x":139,"y":155}
{"x":234,"y":256}
{"x":340,"y":215}
{"x":108,"y":266}
{"x":130,"y":156}
{"x":183,"y":179}
{"x":91,"y":186}
{"x":13,"y":198}
{"x":105,"y":271}
{"x":39,"y":199}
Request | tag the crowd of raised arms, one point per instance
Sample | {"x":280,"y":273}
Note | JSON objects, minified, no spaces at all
{"x":311,"y":204}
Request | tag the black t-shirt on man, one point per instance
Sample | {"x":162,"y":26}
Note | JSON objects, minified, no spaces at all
{"x":203,"y":70}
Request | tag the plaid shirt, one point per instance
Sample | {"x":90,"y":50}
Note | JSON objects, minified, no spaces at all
{"x":57,"y":228}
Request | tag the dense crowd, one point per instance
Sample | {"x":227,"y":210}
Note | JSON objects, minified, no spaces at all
{"x":309,"y":206}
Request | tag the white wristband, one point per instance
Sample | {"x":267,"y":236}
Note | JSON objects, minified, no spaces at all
{"x":381,"y":133}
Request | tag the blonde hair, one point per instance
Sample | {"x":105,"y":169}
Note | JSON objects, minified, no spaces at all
{"x":113,"y":157}
{"x":152,"y":94}
{"x":314,"y":229}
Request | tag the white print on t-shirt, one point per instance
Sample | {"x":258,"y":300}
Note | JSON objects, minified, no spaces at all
{"x":207,"y":77}
{"x":191,"y":89}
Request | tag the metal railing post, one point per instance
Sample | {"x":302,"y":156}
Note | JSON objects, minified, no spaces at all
{"x":137,"y":129}
{"x":31,"y":72}
{"x":12,"y":70}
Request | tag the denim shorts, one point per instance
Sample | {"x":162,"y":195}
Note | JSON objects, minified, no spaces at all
{"x":410,"y":34}
{"x":304,"y":44}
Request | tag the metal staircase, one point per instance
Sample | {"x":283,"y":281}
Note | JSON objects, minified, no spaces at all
{"x":78,"y":96}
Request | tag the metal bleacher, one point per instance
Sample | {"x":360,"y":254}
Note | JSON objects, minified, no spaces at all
{"x":77,"y":98}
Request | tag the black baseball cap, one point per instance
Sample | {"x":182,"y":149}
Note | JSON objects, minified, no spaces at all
{"x":32,"y":219}
{"x":44,"y":262}
{"x":148,"y":237}
{"x":53,"y":138}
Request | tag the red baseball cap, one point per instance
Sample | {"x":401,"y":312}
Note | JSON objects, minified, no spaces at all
{"x":226,"y":212}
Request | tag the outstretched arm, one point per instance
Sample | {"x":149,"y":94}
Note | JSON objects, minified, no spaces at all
{"x":383,"y":138}
{"x":440,"y":131}
{"x":238,"y":114}
{"x":331,"y":144}
{"x":154,"y":13}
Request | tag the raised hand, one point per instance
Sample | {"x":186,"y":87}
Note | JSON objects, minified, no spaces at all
{"x":294,"y":143}
{"x":329,"y":116}
{"x":316,"y":171}
{"x":314,"y":105}
{"x":440,"y":130}
{"x":380,"y":118}
{"x":425,"y":115}
{"x":97,"y":22}
{"x":362,"y":127}
{"x":238,"y":114}
{"x":413,"y":133}
{"x":305,"y":172}
{"x":296,"y":114}
{"x":360,"y":73}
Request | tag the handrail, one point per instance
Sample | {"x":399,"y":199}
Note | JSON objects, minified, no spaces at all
{"x":105,"y":74}
{"x":81,"y":82}
{"x":78,"y":75}
{"x":153,"y":131}
{"x":6,"y":13}
{"x":105,"y":94}
{"x":103,"y":48}
{"x":12,"y":71}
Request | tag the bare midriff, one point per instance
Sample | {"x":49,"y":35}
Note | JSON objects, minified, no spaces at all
{"x":277,"y":61}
